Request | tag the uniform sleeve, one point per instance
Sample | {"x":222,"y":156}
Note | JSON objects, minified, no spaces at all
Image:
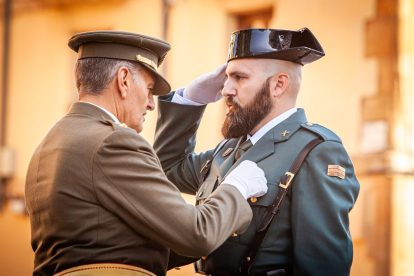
{"x":320,"y":206}
{"x":129,"y":182}
{"x":175,"y":140}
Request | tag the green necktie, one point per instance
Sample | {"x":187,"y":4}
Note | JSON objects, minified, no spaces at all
{"x":245,"y":146}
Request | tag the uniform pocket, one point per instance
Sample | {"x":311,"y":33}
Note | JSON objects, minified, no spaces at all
{"x":259,"y":208}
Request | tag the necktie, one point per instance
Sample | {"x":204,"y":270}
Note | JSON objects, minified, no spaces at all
{"x":245,"y":146}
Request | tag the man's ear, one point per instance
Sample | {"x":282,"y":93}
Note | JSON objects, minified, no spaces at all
{"x":279,"y":84}
{"x":123,"y":80}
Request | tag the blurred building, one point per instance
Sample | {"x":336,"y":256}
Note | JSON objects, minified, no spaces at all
{"x":363,"y":90}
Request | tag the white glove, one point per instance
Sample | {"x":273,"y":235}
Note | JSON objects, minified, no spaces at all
{"x":207,"y":88}
{"x":248,"y":178}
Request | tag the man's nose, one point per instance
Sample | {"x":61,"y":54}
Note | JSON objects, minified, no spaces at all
{"x":228,"y":89}
{"x":151,"y":103}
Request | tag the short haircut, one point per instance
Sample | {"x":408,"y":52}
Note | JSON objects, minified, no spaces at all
{"x":93,"y":75}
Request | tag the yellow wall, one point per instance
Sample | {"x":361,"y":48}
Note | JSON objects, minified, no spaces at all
{"x":402,"y":255}
{"x":41,"y":81}
{"x":41,"y":65}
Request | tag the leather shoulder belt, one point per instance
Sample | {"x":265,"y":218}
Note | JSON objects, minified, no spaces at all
{"x":274,"y":208}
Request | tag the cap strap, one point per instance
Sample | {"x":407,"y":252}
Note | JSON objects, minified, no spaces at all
{"x":147,"y":62}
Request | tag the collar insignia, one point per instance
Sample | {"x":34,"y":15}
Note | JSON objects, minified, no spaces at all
{"x":227,"y":152}
{"x":284,"y":133}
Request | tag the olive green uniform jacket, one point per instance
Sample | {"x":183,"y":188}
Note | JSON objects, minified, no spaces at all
{"x":96,"y":193}
{"x":311,"y":232}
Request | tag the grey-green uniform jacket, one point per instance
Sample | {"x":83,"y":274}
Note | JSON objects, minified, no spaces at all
{"x":96,"y":193}
{"x":311,"y":232}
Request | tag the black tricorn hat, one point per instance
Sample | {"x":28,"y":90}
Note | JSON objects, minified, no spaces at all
{"x":297,"y":46}
{"x":148,"y":51}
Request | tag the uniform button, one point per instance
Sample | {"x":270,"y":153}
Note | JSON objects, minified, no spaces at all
{"x":204,"y":257}
{"x":253,"y":199}
{"x":234,"y":235}
{"x":248,"y":259}
{"x":309,"y":124}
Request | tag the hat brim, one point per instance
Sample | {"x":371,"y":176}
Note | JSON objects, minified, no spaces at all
{"x":161,"y":85}
{"x":302,"y":55}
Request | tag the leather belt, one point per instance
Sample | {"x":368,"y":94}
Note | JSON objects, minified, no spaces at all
{"x":105,"y":269}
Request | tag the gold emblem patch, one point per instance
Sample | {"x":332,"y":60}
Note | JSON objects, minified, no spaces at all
{"x":336,"y":170}
{"x":147,"y":61}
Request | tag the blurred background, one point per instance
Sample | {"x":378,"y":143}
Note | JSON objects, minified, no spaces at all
{"x":362,"y":90}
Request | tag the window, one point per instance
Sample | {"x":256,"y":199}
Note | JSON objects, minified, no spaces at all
{"x":254,"y":19}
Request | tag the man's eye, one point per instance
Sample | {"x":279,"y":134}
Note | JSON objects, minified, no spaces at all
{"x":239,"y":77}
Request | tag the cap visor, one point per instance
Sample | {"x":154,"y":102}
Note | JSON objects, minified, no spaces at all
{"x":161,"y":85}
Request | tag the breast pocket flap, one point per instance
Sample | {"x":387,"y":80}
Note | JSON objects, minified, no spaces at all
{"x":206,"y":188}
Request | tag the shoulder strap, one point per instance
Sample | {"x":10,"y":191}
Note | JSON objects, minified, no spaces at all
{"x":274,"y":208}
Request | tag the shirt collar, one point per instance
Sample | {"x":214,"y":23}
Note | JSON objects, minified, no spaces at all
{"x":274,"y":122}
{"x":109,"y":113}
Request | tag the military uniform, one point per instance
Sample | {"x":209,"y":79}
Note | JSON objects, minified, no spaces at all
{"x":98,"y":200}
{"x":96,"y":193}
{"x":310,"y":235}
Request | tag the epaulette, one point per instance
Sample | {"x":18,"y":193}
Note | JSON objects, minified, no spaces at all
{"x":115,"y":125}
{"x":323,"y":132}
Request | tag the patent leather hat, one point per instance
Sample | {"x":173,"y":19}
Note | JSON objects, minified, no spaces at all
{"x":297,"y":46}
{"x":148,"y":51}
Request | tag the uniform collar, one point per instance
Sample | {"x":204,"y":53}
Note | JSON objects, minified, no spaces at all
{"x":267,"y":127}
{"x":88,"y":109}
{"x":288,"y":127}
{"x":265,"y":146}
{"x":115,"y":119}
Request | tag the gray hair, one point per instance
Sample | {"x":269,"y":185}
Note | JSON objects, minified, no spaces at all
{"x":93,"y":75}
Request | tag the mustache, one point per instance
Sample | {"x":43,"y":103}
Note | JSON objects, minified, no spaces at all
{"x":230,"y":101}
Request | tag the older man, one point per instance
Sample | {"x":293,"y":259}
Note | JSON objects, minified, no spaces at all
{"x":301,"y":226}
{"x":98,"y":200}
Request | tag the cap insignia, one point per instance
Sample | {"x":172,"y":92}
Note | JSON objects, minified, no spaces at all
{"x":147,"y":62}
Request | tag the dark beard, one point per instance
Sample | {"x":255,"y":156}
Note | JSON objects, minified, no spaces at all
{"x":242,"y":120}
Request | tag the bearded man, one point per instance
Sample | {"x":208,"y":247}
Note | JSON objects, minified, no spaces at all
{"x":301,"y":226}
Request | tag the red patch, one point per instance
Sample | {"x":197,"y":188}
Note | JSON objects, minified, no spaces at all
{"x":227,"y":152}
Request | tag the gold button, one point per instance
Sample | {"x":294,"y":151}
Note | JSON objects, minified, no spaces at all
{"x":234,"y":235}
{"x":253,"y":199}
{"x":204,"y":257}
{"x":309,"y":124}
{"x":248,"y":259}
